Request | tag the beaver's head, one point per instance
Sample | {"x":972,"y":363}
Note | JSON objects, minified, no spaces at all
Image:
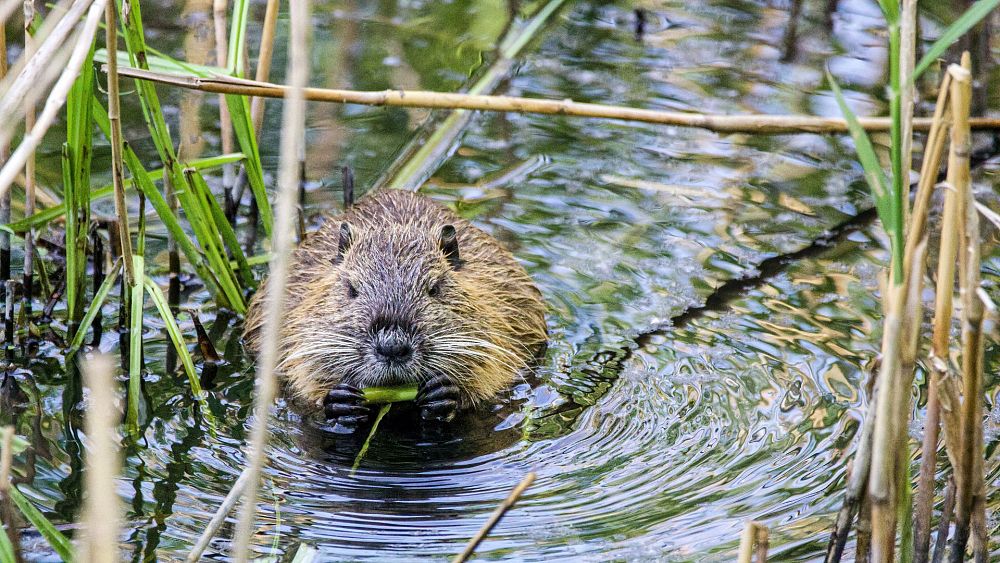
{"x":392,"y":309}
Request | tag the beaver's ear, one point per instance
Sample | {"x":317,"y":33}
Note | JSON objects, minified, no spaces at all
{"x":343,"y":243}
{"x":449,"y":246}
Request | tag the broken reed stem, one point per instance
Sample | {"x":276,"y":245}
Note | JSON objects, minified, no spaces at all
{"x":944,"y":524}
{"x":881,"y":482}
{"x":292,"y":144}
{"x":925,"y":489}
{"x":117,"y":142}
{"x":219,"y":518}
{"x":961,"y":94}
{"x":29,"y":173}
{"x":56,"y":99}
{"x":30,"y":73}
{"x":264,"y":60}
{"x":495,"y":517}
{"x":101,"y":506}
{"x":755,"y":124}
{"x":857,"y":483}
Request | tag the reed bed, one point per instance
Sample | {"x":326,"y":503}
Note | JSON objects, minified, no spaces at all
{"x":62,"y":51}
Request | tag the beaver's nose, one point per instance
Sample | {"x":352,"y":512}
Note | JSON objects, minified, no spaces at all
{"x":394,"y":349}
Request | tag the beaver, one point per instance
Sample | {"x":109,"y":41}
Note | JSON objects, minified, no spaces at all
{"x":400,"y":290}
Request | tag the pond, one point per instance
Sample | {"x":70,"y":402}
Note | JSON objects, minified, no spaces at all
{"x":671,"y":409}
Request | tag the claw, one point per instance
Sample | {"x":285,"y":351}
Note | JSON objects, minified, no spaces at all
{"x":438,"y":399}
{"x":344,"y":405}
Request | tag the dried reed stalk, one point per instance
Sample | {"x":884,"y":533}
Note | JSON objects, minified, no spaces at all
{"x":755,"y":124}
{"x":219,"y":518}
{"x":942,"y":325}
{"x":961,"y":95}
{"x":219,"y":10}
{"x":57,"y":96}
{"x":857,"y":483}
{"x":117,"y":142}
{"x":264,"y":60}
{"x":292,"y":144}
{"x":30,"y":73}
{"x":101,"y":511}
{"x":969,"y":473}
{"x":495,"y":517}
{"x":753,"y":541}
{"x":27,"y":288}
{"x":4,"y":154}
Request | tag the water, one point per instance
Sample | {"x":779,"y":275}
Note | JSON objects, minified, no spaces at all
{"x":656,"y":433}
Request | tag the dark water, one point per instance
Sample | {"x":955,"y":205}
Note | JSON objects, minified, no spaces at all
{"x":651,"y":441}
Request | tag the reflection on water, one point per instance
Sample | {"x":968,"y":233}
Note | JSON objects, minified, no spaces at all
{"x":651,"y":440}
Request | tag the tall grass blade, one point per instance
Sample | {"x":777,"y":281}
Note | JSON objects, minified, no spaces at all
{"x":239,"y":110}
{"x":95,"y":307}
{"x":160,"y":301}
{"x":874,"y":174}
{"x":221,"y":225}
{"x":6,"y":548}
{"x":59,"y":542}
{"x":957,"y":29}
{"x":135,"y":346}
{"x":238,"y":37}
{"x":52,"y":213}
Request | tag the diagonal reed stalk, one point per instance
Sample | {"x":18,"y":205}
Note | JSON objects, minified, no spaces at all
{"x":293,"y":140}
{"x":57,"y":96}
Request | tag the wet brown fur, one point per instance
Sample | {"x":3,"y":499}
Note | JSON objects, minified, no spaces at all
{"x":481,"y":330}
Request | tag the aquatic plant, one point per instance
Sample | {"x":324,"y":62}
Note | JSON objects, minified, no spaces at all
{"x":201,"y":228}
{"x":881,"y":477}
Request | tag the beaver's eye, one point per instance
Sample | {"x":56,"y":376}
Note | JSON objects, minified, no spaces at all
{"x":352,"y":292}
{"x":435,"y":289}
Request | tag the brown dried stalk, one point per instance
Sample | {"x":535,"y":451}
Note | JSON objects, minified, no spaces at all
{"x":101,"y":511}
{"x":264,"y":59}
{"x":928,"y":464}
{"x":56,"y":99}
{"x":117,"y":142}
{"x":495,"y":517}
{"x":292,"y":143}
{"x":757,"y":124}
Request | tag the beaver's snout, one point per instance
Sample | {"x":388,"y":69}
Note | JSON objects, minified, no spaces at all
{"x":392,"y":346}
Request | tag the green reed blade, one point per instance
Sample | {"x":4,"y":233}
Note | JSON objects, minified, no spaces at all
{"x":162,"y":62}
{"x":59,"y":542}
{"x":52,"y":213}
{"x":69,"y":208}
{"x":6,"y":548}
{"x":878,"y":183}
{"x":957,"y":29}
{"x":239,"y":111}
{"x":176,"y":337}
{"x":95,"y":306}
{"x":238,"y":38}
{"x":205,"y":228}
{"x":135,"y":346}
{"x":371,"y":434}
{"x":221,"y":225}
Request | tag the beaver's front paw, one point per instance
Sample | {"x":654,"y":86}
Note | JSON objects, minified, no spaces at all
{"x":438,"y":399}
{"x":345,"y":405}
